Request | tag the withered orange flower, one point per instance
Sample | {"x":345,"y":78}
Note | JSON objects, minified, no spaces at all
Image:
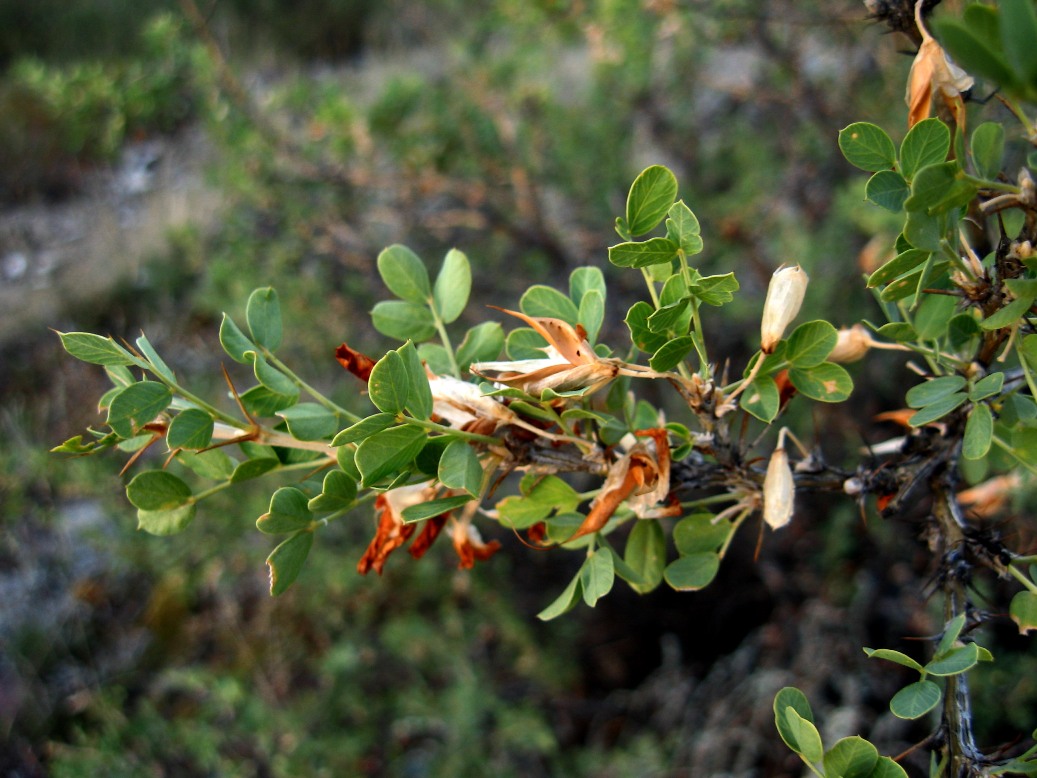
{"x":642,"y":476}
{"x":934,"y":72}
{"x":569,"y":364}
{"x":469,"y":545}
{"x":392,"y":532}
{"x":430,"y":530}
{"x":356,"y":363}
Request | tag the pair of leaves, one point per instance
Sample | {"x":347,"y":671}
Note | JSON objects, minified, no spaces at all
{"x":850,"y":757}
{"x":950,"y":658}
{"x":398,"y":383}
{"x":653,"y":197}
{"x":698,"y":540}
{"x":413,"y":316}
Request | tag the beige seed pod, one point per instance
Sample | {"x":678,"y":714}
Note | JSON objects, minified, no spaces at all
{"x":853,"y":343}
{"x":779,"y":488}
{"x":784,"y":297}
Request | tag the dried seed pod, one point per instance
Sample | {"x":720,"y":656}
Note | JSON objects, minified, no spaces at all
{"x":853,"y":343}
{"x":784,"y":297}
{"x":779,"y":488}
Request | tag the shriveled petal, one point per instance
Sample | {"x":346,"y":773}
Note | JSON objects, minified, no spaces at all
{"x":570,"y":342}
{"x":469,"y":545}
{"x":356,"y":363}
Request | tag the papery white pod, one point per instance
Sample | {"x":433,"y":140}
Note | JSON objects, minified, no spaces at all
{"x":852,"y":344}
{"x":784,"y":297}
{"x":779,"y":490}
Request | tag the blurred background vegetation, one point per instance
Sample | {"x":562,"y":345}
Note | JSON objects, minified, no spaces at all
{"x":331,"y":129}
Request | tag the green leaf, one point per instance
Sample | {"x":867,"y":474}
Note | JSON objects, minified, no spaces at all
{"x":682,"y":227}
{"x":459,"y":468}
{"x":934,"y":315}
{"x":666,"y":319}
{"x":388,"y":385}
{"x":286,"y":561}
{"x":586,"y":279}
{"x":432,"y":508}
{"x":166,"y":522}
{"x":653,"y":251}
{"x":253,"y":468}
{"x":805,"y":735}
{"x":716,"y":290}
{"x":868,"y":147}
{"x":405,"y":275}
{"x":939,"y":188}
{"x":696,"y":534}
{"x":926,"y":144}
{"x":887,"y":768}
{"x":979,"y":433}
{"x":1023,"y":611}
{"x":597,"y":576}
{"x":288,"y":512}
{"x":646,"y":553}
{"x":987,"y":386}
{"x":915,"y":700}
{"x":692,"y":572}
{"x":272,"y":378}
{"x":136,"y":405}
{"x":988,"y":149}
{"x":897,"y":266}
{"x":640,"y":333}
{"x":337,"y":493}
{"x":898,"y":331}
{"x":540,"y":300}
{"x":851,"y":757}
{"x":934,"y":390}
{"x":263,"y":315}
{"x":955,"y":661}
{"x":214,"y":463}
{"x":191,"y":428}
{"x":811,"y":343}
{"x":762,"y":399}
{"x":237,"y":346}
{"x":938,"y":409}
{"x":1018,"y":33}
{"x":669,"y":355}
{"x":924,"y":231}
{"x":482,"y":343}
{"x":260,"y":401}
{"x":157,"y":363}
{"x":453,"y":286}
{"x":1009,"y":315}
{"x":565,"y":601}
{"x":951,"y":631}
{"x":385,"y":453}
{"x":524,"y":343}
{"x":826,"y":382}
{"x":790,"y":697}
{"x":87,"y":347}
{"x":435,"y":356}
{"x":893,"y":656}
{"x":309,"y":421}
{"x":157,"y":490}
{"x":887,"y":189}
{"x":403,"y":320}
{"x":592,"y":313}
{"x":650,"y":198}
{"x":541,"y":496}
{"x":419,"y":393}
